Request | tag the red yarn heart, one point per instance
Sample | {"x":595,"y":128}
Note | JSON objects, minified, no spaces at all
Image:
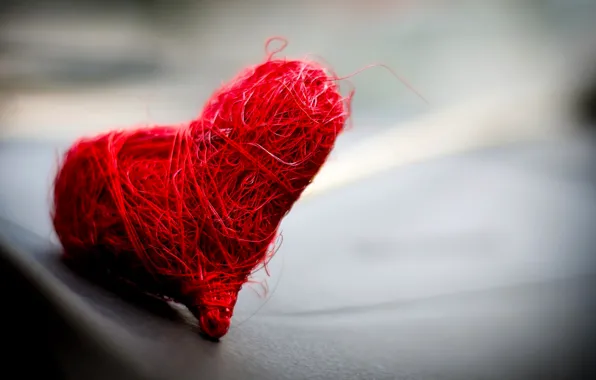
{"x":189,"y":212}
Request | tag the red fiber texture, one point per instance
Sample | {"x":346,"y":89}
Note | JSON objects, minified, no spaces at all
{"x":189,"y":212}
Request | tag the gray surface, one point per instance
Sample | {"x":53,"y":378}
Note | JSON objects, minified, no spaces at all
{"x":471,"y":267}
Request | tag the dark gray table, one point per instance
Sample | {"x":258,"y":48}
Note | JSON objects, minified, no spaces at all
{"x":479,"y":266}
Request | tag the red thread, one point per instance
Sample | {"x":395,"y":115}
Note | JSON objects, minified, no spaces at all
{"x":189,"y":212}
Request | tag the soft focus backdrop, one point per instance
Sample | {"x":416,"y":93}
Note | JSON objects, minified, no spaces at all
{"x":464,"y":267}
{"x":67,"y":70}
{"x":492,"y":70}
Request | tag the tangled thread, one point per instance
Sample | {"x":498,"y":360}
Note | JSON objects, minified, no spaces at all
{"x":189,"y":212}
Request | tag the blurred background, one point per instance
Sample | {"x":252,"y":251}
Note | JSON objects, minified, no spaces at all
{"x":496,"y":246}
{"x":74,"y":67}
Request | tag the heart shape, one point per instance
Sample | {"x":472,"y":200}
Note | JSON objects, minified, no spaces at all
{"x":189,"y":212}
